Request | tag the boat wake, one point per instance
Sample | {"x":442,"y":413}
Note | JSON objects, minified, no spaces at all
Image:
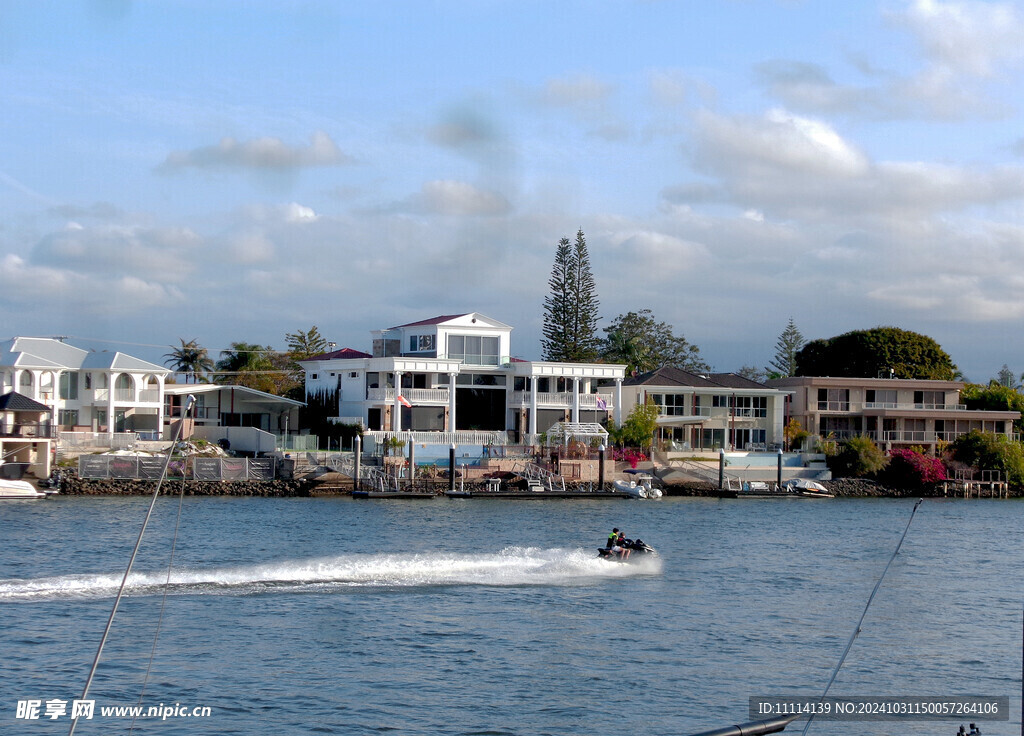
{"x":513,"y":566}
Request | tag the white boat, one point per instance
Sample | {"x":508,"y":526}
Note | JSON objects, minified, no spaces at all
{"x":18,"y":489}
{"x":642,"y":487}
{"x":807,"y":488}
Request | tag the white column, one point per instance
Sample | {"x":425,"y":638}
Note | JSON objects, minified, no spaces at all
{"x":451,"y":402}
{"x":618,"y":402}
{"x":576,"y":400}
{"x":396,"y":411}
{"x":159,"y":407}
{"x":111,"y":380}
{"x":533,"y":405}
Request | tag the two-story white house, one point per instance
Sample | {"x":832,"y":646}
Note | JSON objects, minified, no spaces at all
{"x":455,"y":373}
{"x":86,"y":390}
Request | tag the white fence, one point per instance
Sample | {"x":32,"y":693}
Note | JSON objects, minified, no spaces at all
{"x":95,"y":440}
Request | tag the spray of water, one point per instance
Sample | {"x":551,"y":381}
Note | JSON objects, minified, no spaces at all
{"x":513,"y":566}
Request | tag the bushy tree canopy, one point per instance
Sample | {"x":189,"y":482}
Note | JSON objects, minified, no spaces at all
{"x":644,"y":344}
{"x":876,"y":352}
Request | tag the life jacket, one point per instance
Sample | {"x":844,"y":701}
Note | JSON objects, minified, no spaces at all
{"x":611,"y":540}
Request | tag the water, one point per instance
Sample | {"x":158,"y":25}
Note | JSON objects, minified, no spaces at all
{"x":478,"y":617}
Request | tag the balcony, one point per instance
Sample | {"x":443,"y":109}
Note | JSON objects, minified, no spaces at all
{"x":101,"y":396}
{"x":857,"y":407}
{"x":413,"y":395}
{"x":27,"y":430}
{"x":560,"y":400}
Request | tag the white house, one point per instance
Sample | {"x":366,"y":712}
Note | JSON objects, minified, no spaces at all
{"x":86,"y":390}
{"x":454,"y":373}
{"x":220,"y":407}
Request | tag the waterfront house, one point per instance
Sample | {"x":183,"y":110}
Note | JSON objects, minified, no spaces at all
{"x":86,"y":391}
{"x":893,"y":412}
{"x":251,"y":420}
{"x":710,"y":411}
{"x":453,"y":377}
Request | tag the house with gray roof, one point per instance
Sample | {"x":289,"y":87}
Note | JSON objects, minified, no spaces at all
{"x":88,"y":391}
{"x":710,"y":411}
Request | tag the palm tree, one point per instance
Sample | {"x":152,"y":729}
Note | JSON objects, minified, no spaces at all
{"x":189,"y":359}
{"x":621,"y":347}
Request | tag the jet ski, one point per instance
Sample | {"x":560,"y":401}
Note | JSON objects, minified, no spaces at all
{"x":638,"y":549}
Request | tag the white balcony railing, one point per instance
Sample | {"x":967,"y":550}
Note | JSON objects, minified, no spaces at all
{"x":414,"y":395}
{"x":560,"y":400}
{"x":853,"y":406}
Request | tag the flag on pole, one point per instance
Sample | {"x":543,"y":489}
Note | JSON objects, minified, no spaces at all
{"x":404,"y":401}
{"x":602,"y":404}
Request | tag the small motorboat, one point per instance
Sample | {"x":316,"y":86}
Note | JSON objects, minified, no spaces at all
{"x":638,"y":549}
{"x":642,"y":487}
{"x":807,"y":488}
{"x":18,"y":489}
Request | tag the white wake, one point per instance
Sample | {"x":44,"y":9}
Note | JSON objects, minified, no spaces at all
{"x":511,"y":567}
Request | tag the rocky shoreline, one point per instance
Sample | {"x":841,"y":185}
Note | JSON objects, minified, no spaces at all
{"x":306,"y":488}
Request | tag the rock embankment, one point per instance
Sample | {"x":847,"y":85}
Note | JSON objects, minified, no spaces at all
{"x":114,"y":487}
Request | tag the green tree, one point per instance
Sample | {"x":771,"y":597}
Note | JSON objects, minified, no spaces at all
{"x":190,"y":359}
{"x":881,"y":351}
{"x":639,"y":427}
{"x":570,"y":309}
{"x":987,"y":451}
{"x":255,"y":366}
{"x":787,"y":346}
{"x":1006,"y":377}
{"x":644,"y":344}
{"x":994,"y":397}
{"x":859,"y":456}
{"x":752,"y":373}
{"x":304,"y":345}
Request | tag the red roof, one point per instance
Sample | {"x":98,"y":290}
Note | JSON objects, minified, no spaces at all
{"x":343,"y":354}
{"x":432,"y":321}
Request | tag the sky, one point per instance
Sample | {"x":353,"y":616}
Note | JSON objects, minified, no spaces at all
{"x":238,"y":170}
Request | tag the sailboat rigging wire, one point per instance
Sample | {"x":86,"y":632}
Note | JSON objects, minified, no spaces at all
{"x":857,"y":630}
{"x":163,"y":603}
{"x":189,"y":402}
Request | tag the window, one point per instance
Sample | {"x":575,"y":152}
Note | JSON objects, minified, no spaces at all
{"x":833,"y":399}
{"x":69,"y":385}
{"x":671,"y":404}
{"x":750,"y":406}
{"x":885,"y":398}
{"x":420,"y":343}
{"x":929,"y":399}
{"x":474,"y":349}
{"x":312,"y":376}
{"x":67,"y":417}
{"x":354,"y":374}
{"x":88,"y":381}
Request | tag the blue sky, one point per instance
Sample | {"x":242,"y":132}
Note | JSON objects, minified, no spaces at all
{"x":233,"y":171}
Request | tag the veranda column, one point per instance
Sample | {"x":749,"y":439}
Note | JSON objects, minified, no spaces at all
{"x":396,"y":410}
{"x":111,"y":381}
{"x":618,"y":402}
{"x":533,"y":407}
{"x":576,"y":400}
{"x":451,"y":402}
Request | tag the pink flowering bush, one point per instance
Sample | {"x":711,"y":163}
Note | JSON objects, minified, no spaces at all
{"x":629,"y":455}
{"x":912,"y":470}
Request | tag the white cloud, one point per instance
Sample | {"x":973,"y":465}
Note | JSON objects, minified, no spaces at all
{"x":975,"y":38}
{"x":575,"y":91}
{"x":446,"y":197}
{"x":260,"y":154}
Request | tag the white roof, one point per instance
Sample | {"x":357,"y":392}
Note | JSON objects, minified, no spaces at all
{"x":48,"y":353}
{"x":183,"y":389}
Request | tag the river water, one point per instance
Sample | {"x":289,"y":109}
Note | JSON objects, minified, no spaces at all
{"x":475,"y":617}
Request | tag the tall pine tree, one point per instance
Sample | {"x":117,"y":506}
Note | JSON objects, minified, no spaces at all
{"x":790,"y":341}
{"x":570,"y":310}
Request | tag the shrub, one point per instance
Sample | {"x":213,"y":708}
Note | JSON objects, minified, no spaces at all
{"x":859,"y":456}
{"x":630,"y":455}
{"x":913,"y":471}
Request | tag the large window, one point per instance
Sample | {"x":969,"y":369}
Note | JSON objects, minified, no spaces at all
{"x":880,"y":399}
{"x":833,"y":399}
{"x":421,"y":343}
{"x":474,"y":350}
{"x":69,"y":385}
{"x":67,"y":417}
{"x":672,"y":405}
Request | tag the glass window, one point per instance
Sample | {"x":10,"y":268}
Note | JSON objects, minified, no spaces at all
{"x":67,"y":417}
{"x":69,"y":385}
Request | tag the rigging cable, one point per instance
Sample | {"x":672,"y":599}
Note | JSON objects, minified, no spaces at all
{"x":857,"y":630}
{"x":163,"y":604}
{"x":189,"y":402}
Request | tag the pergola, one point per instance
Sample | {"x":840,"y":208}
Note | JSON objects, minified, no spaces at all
{"x":564,"y":432}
